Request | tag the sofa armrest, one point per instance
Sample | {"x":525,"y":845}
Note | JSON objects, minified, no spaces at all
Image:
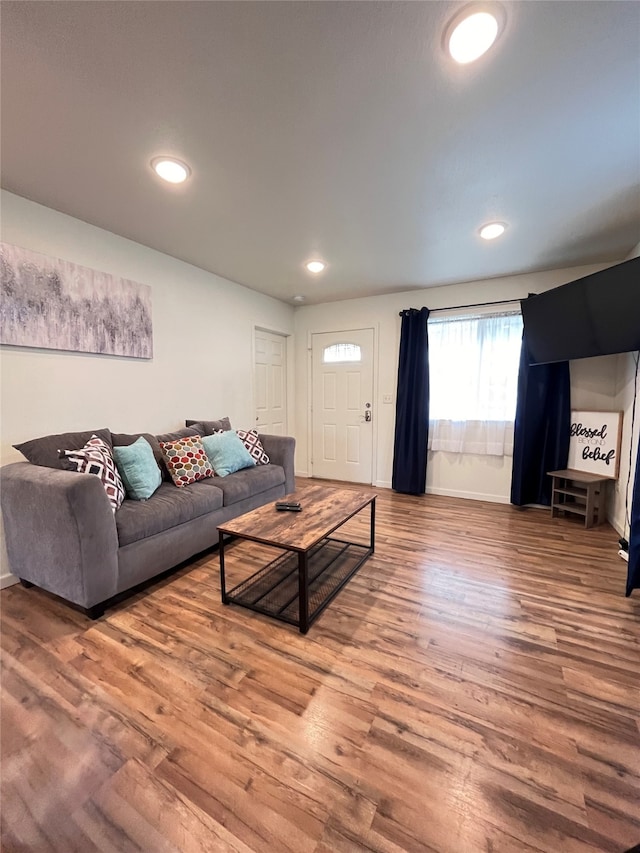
{"x":60,"y":532}
{"x":281,"y":451}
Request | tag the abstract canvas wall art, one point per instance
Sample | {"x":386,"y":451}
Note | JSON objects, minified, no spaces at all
{"x":55,"y":304}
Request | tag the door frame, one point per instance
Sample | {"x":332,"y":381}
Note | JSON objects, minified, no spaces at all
{"x":289,"y":365}
{"x":339,"y":329}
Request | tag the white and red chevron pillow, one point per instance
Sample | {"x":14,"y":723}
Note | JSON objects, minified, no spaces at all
{"x":96,"y":458}
{"x":249,"y":438}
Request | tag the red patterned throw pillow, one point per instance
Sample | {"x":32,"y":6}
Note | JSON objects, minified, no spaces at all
{"x":96,"y":458}
{"x":186,"y":460}
{"x":249,"y":438}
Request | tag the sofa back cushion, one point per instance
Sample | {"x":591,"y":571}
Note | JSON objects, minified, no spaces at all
{"x":185,"y":432}
{"x":96,"y":458}
{"x":210,"y":427}
{"x":124,"y":439}
{"x":138,"y":468}
{"x":251,"y":440}
{"x":186,"y":460}
{"x":45,"y":451}
{"x":227,"y":454}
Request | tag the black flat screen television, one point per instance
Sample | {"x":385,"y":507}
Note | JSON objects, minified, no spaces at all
{"x":595,"y":315}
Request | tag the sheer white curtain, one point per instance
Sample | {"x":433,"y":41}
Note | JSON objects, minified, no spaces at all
{"x":473,"y":378}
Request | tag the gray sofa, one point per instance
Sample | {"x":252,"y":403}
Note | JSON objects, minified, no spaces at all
{"x":62,"y":535}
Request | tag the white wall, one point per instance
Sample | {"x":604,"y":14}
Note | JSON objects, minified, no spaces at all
{"x":620,"y":502}
{"x":593,"y":383}
{"x":202,"y":365}
{"x":480,"y":477}
{"x":203,"y":360}
{"x":627,"y":389}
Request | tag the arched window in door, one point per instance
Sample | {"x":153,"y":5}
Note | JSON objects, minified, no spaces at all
{"x":337,"y":353}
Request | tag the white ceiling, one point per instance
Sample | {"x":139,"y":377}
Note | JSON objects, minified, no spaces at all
{"x":332,"y":129}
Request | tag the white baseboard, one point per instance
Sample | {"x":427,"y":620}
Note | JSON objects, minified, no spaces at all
{"x":302,"y":474}
{"x":618,"y":524}
{"x":469,"y":496}
{"x":453,"y":493}
{"x":448,"y":493}
{"x":7,"y":579}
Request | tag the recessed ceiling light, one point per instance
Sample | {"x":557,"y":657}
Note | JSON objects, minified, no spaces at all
{"x":472,"y":32}
{"x":171,"y":170}
{"x":299,"y":298}
{"x":492,"y":230}
{"x":315,"y":266}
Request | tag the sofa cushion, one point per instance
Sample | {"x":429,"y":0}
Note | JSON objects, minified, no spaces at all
{"x":186,"y":460}
{"x":226,"y":453}
{"x":179,"y":433}
{"x":96,"y":458}
{"x":251,"y":440}
{"x":45,"y":451}
{"x":124,"y":439}
{"x":248,"y":482}
{"x":169,"y":436}
{"x":166,"y":508}
{"x":138,"y":468}
{"x":209,"y":427}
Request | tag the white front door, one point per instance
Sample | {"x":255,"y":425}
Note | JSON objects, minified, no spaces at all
{"x":270,"y":382}
{"x":342,"y":405}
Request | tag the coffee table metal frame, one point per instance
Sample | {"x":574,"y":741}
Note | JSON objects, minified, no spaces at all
{"x":324,"y":567}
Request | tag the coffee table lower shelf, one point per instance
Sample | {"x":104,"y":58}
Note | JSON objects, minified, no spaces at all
{"x":274,"y":590}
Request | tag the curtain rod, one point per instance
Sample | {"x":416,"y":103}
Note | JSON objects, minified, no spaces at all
{"x":473,"y":305}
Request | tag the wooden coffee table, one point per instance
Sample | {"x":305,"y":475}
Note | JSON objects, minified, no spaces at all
{"x":313,"y":565}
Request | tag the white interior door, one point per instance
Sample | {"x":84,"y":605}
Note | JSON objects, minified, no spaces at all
{"x":270,"y":382}
{"x":342,"y":405}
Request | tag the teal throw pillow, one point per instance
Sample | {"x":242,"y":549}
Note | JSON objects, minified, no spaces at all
{"x":226,"y":452}
{"x":138,"y":468}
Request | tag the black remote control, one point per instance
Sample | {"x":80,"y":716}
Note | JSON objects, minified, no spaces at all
{"x":288,"y":506}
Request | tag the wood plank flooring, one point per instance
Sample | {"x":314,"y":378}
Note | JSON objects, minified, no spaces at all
{"x":475,"y":687}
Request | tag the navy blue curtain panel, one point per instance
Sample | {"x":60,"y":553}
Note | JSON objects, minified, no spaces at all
{"x":412,"y":405}
{"x":633,"y":572}
{"x":541,"y":434}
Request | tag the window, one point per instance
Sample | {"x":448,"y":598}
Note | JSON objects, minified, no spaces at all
{"x":341,"y":352}
{"x":473,"y":378}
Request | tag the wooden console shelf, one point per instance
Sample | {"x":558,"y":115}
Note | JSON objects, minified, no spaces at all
{"x":580,"y":493}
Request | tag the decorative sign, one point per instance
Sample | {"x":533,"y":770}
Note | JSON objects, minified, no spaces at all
{"x":594,"y":442}
{"x":55,"y":304}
